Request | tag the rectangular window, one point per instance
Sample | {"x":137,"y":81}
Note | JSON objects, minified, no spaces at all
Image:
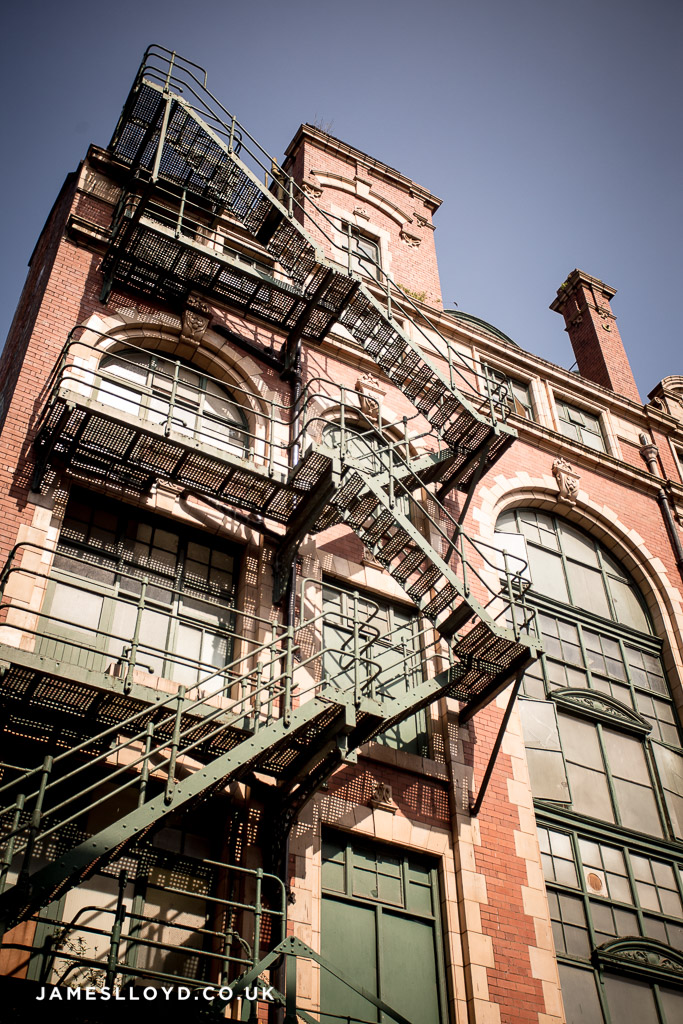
{"x":580,"y":425}
{"x":515,"y":393}
{"x":364,"y":251}
{"x":151,"y":594}
{"x":389,"y":643}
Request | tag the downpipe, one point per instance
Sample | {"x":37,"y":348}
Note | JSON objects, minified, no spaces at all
{"x":649,"y":453}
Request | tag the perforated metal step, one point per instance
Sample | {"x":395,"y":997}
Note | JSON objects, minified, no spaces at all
{"x":204,"y":158}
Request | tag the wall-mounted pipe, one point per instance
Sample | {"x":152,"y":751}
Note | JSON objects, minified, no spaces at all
{"x":649,"y":453}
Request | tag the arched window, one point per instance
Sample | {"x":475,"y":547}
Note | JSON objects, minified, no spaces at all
{"x":172,"y":394}
{"x":362,"y":442}
{"x":604,"y":753}
{"x":573,"y":568}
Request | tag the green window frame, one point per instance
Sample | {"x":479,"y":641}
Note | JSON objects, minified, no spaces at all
{"x":391,"y":634}
{"x":145,"y":384}
{"x":365,"y":251}
{"x":606,"y":766}
{"x":580,"y":425}
{"x":570,"y":567}
{"x":104,"y":556}
{"x":599,"y":890}
{"x":518,"y":396}
{"x":378,"y":903}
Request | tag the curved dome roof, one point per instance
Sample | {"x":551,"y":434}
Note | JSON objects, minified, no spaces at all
{"x":467,"y":318}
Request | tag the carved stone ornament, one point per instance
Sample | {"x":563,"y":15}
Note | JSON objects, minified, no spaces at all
{"x":371,"y":394}
{"x":668,"y":396}
{"x":567,"y":481}
{"x":360,"y":211}
{"x":195,"y":319}
{"x":641,"y":956}
{"x":603,"y":707}
{"x":382,"y":800}
{"x":312,"y":190}
{"x":412,"y":240}
{"x":368,"y":558}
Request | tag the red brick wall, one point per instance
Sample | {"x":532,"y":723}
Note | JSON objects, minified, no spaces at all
{"x":414,"y":267}
{"x":519,"y":996}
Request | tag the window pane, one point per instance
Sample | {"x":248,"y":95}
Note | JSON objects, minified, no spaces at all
{"x":547,"y":775}
{"x":539,"y":723}
{"x":590,"y":794}
{"x":672,"y":1003}
{"x":630,"y":1001}
{"x":627,"y":606}
{"x":587,"y":589}
{"x":670,"y":767}
{"x":547,"y":574}
{"x":579,"y":995}
{"x":580,"y":741}
{"x":626,"y":757}
{"x":637,"y":807}
{"x":578,"y":546}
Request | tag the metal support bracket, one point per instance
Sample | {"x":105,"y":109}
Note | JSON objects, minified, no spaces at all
{"x":475,"y":805}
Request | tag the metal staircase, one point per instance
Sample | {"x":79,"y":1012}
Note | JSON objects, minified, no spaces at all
{"x":160,"y":753}
{"x":190,"y":144}
{"x":121,"y":742}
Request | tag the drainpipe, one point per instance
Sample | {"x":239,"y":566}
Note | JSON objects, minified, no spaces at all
{"x":296,"y":384}
{"x":295,"y":378}
{"x":649,"y":453}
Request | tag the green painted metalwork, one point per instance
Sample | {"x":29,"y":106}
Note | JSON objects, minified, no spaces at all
{"x":133,"y":940}
{"x":233,"y":177}
{"x":259,"y":711}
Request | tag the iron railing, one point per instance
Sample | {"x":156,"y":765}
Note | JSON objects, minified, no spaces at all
{"x":177,"y":79}
{"x":116,"y":942}
{"x":264,"y":678}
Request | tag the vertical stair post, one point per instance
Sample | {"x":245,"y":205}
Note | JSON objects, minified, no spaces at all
{"x":144,"y":771}
{"x":290,"y":990}
{"x":356,"y":652}
{"x":175,"y":743}
{"x":119,"y":918}
{"x":289,"y":668}
{"x":135,"y":642}
{"x":36,"y":817}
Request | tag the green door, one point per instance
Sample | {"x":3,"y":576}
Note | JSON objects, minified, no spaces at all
{"x":380,"y":929}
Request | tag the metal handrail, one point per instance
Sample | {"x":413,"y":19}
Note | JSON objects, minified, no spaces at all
{"x":272,"y":659}
{"x":81,"y":369}
{"x":115,"y":957}
{"x":175,"y":77}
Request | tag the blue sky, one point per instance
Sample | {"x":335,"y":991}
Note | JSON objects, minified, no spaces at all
{"x":550,"y":130}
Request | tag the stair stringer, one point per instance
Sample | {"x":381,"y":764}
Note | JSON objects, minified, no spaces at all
{"x":452,"y":414}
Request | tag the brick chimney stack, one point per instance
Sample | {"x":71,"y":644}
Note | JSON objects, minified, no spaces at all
{"x":584,"y":302}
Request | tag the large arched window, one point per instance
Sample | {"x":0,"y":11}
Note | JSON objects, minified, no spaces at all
{"x":172,"y":394}
{"x":604,"y":753}
{"x":569,"y":566}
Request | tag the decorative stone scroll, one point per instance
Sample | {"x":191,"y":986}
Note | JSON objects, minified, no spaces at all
{"x":311,"y":190}
{"x":567,"y":481}
{"x":641,"y":956}
{"x":412,"y":240}
{"x":603,"y":707}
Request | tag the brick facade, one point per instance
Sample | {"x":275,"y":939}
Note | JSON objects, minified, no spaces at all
{"x":499,"y":956}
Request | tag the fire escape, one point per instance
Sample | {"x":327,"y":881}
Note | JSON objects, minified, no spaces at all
{"x":189,"y":166}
